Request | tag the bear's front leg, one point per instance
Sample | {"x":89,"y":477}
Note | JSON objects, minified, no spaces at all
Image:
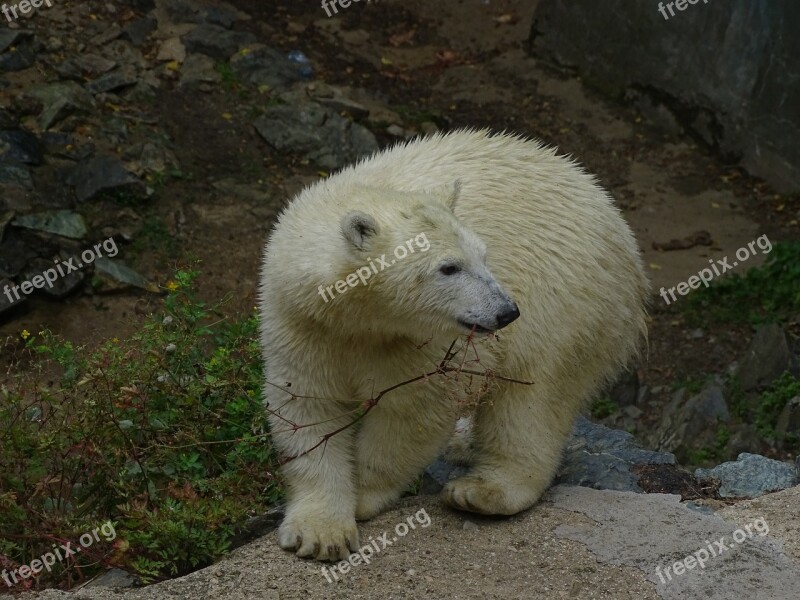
{"x":398,"y":439}
{"x":320,"y":514}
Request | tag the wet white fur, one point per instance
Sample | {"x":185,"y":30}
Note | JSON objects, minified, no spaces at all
{"x":540,"y":227}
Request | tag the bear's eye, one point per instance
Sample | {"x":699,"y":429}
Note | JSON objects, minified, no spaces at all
{"x":450,"y":269}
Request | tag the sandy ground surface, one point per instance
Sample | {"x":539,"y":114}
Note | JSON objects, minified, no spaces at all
{"x":578,"y":543}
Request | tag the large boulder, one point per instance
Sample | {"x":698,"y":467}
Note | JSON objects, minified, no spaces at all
{"x":730,"y":71}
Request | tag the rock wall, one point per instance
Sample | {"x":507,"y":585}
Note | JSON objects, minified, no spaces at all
{"x":730,"y":71}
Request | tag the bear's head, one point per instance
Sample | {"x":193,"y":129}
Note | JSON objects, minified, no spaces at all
{"x":417,"y":270}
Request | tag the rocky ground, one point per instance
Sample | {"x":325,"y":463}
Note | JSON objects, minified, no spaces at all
{"x":178,"y":128}
{"x":578,"y":543}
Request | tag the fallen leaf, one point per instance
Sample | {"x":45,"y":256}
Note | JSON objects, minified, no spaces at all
{"x":448,"y":57}
{"x":398,"y":39}
{"x":506,"y":19}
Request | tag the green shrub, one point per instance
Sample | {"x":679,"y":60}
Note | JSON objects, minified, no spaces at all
{"x":769,"y":293}
{"x":772,"y":402}
{"x":163,"y":434}
{"x":604,"y":407}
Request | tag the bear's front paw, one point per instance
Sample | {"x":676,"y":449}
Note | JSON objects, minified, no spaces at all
{"x":479,"y":495}
{"x":320,"y":538}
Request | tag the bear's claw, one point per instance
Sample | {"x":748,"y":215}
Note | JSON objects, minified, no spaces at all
{"x":327,"y":540}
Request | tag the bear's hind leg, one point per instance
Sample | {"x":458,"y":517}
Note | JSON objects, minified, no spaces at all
{"x":519,"y":436}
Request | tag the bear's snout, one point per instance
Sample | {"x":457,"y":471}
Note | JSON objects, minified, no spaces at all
{"x":507,"y":316}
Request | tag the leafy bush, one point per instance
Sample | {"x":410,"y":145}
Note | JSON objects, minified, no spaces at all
{"x":773,"y":401}
{"x":769,"y":293}
{"x":165,"y":435}
{"x":603,"y":407}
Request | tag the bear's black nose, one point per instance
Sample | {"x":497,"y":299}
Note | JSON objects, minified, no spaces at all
{"x":507,"y":317}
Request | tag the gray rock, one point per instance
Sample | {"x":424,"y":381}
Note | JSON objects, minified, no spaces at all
{"x":142,"y":92}
{"x":766,"y":359}
{"x":20,"y":145}
{"x":618,"y":528}
{"x":316,"y":133}
{"x":150,"y":158}
{"x":15,"y":254}
{"x":102,"y":175}
{"x":692,"y":425}
{"x":64,"y":145}
{"x":199,"y":68}
{"x":437,"y":475}
{"x":18,"y":51}
{"x":16,"y":187}
{"x":259,"y":65}
{"x":750,"y":476}
{"x":603,"y":458}
{"x":190,"y":11}
{"x":124,"y":54}
{"x":744,"y":98}
{"x":595,"y":456}
{"x":396,"y":131}
{"x":172,"y":49}
{"x":744,"y":438}
{"x":8,"y":299}
{"x":85,"y":65}
{"x":113,"y":578}
{"x":62,"y":286}
{"x":137,"y":32}
{"x":787,"y":429}
{"x":59,"y":100}
{"x":123,"y":274}
{"x":13,"y":37}
{"x":107,"y":34}
{"x":215,"y":41}
{"x":335,"y":99}
{"x":111,"y":82}
{"x":61,"y":222}
{"x":654,"y":112}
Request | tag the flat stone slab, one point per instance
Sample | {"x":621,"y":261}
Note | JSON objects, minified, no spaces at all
{"x":578,"y":543}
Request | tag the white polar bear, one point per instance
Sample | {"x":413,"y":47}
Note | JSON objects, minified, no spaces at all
{"x":523,"y":233}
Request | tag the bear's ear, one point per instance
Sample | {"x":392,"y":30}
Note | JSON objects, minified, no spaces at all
{"x":455,"y":192}
{"x":358,"y":228}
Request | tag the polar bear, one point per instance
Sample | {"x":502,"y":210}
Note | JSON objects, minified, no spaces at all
{"x":531,"y":288}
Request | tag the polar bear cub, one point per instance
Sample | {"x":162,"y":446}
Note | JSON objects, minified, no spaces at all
{"x":451,"y":267}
